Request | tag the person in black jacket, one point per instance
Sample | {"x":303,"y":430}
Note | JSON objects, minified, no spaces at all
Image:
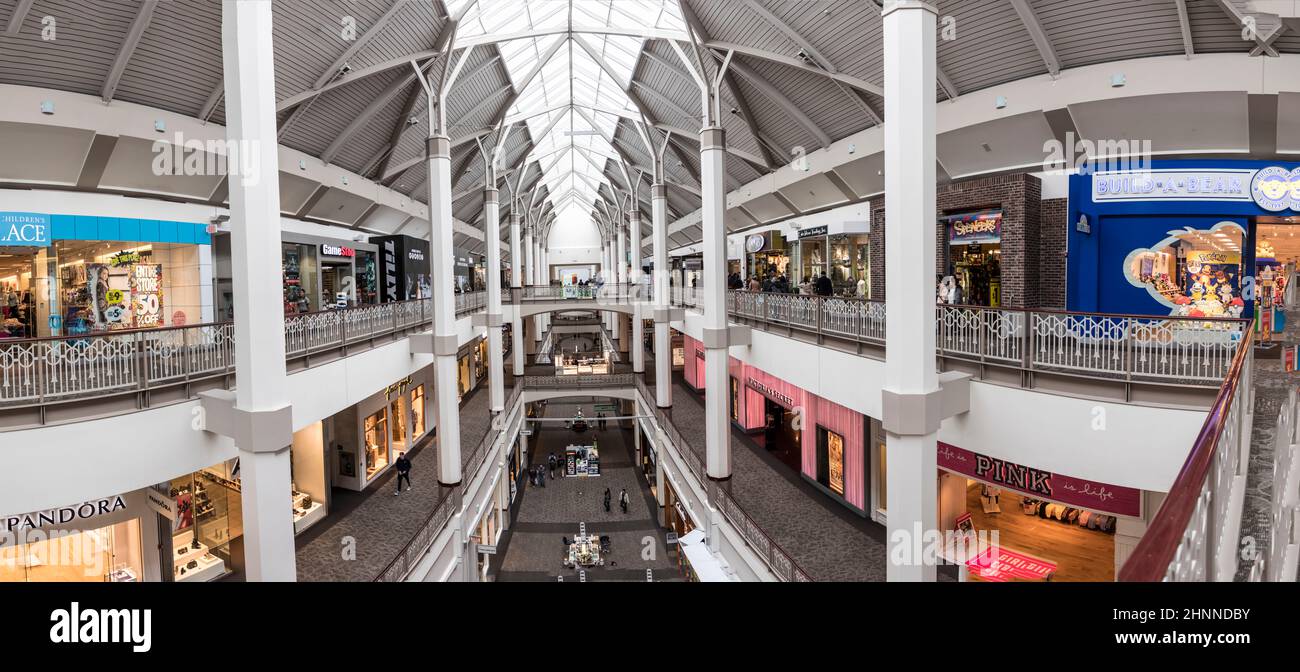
{"x":403,"y":472}
{"x":607,"y":500}
{"x":824,"y":285}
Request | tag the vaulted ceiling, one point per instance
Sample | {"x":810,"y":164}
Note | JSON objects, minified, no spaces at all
{"x":578,"y":92}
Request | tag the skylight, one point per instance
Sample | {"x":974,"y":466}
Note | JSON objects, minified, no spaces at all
{"x":572,"y":105}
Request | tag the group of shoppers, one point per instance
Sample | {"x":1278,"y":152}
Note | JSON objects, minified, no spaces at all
{"x":778,"y":283}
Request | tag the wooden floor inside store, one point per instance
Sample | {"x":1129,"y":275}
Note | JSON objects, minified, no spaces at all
{"x":1080,"y":554}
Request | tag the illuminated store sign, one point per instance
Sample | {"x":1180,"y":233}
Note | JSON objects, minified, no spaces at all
{"x":769,"y":392}
{"x":1087,"y":494}
{"x":24,"y":229}
{"x":975,"y":228}
{"x":1273,"y":188}
{"x":337,"y":251}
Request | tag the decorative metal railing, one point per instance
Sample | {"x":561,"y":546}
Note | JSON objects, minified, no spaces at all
{"x":597,"y":381}
{"x":780,"y":561}
{"x":1194,"y":535}
{"x":46,"y":370}
{"x":1179,"y":350}
{"x":620,"y":292}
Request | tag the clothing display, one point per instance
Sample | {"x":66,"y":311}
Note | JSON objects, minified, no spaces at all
{"x":1066,"y":514}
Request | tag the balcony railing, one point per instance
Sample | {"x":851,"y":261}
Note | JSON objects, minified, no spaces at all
{"x":577,"y":382}
{"x":1193,"y":537}
{"x":35,"y":372}
{"x":1142,"y":348}
{"x":780,"y":561}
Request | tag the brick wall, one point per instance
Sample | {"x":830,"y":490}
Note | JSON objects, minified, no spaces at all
{"x":1051,"y":254}
{"x":1019,"y":197}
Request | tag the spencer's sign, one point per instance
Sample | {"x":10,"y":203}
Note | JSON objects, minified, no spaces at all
{"x":975,"y":228}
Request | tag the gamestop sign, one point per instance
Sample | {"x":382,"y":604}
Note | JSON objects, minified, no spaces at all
{"x":337,"y":251}
{"x":24,"y":229}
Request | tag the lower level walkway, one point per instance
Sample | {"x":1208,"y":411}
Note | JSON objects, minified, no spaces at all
{"x":830,"y":542}
{"x":1272,"y":386}
{"x":532,"y":548}
{"x":365,"y":530}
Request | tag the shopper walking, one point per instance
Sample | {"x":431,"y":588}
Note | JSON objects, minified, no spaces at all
{"x":550,"y":462}
{"x":403,"y":473}
{"x":622,"y":500}
{"x":606,"y":500}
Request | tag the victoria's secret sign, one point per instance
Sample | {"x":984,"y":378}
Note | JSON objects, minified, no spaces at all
{"x":1115,"y":499}
{"x":769,"y":392}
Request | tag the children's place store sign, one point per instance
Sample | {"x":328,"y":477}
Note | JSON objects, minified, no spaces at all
{"x":24,"y":229}
{"x":1086,"y":494}
{"x":1272,"y":188}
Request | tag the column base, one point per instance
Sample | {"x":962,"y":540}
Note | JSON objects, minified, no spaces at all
{"x":719,"y":479}
{"x":449,"y":485}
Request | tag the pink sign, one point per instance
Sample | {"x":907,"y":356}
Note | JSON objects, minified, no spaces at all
{"x":1086,"y":494}
{"x":999,"y":564}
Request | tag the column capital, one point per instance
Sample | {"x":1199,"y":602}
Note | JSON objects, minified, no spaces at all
{"x":437,"y":147}
{"x":490,"y":194}
{"x":713,"y":137}
{"x":658,"y":191}
{"x":894,"y":5}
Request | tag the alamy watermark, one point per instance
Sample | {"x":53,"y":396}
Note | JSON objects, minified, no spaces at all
{"x":211,"y":157}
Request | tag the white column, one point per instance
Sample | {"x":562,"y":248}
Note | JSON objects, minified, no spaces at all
{"x":516,"y":281}
{"x":529,"y":278}
{"x":611,"y":276}
{"x":496,"y":364}
{"x":620,"y":253}
{"x":910,"y":403}
{"x":262,"y":394}
{"x":663,"y":346}
{"x":717,"y":430}
{"x":438,"y":153}
{"x":638,"y":331}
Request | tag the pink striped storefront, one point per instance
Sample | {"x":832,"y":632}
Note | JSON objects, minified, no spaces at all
{"x":749,"y":386}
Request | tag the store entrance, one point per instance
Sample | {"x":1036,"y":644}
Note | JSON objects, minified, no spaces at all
{"x":337,"y":285}
{"x":1079,"y":542}
{"x":978,"y":270}
{"x":17,"y":281}
{"x":780,"y":436}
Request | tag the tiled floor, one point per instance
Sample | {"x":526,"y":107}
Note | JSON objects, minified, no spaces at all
{"x":376,"y":524}
{"x":532,"y":549}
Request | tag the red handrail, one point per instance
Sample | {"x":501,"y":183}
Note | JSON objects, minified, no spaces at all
{"x":1150,"y":560}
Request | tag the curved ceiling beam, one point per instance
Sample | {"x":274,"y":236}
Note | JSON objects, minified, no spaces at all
{"x":132,"y":40}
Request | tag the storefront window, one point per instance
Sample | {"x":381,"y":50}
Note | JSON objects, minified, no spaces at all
{"x":209,"y":515}
{"x":882,"y":481}
{"x":376,"y":436}
{"x":299,"y":267}
{"x":111,"y":553}
{"x":397,"y":425}
{"x":830,"y":460}
{"x":417,"y":412}
{"x":1198,"y":272}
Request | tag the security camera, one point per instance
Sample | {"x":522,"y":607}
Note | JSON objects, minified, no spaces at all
{"x":803,"y":55}
{"x":735,"y":111}
{"x":412,"y":120}
{"x":347,"y":67}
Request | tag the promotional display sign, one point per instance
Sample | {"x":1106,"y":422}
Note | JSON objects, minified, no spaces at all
{"x":974,"y":228}
{"x":1086,"y":494}
{"x":999,"y":564}
{"x":403,"y":268}
{"x":1212,"y":275}
{"x":146,"y":295}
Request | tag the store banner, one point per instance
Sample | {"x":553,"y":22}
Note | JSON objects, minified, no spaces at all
{"x":146,"y":295}
{"x":1103,"y":497}
{"x":974,"y":228}
{"x":24,"y":229}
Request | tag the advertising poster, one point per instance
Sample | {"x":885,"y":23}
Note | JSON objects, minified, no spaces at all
{"x":146,"y":295}
{"x":1212,"y":276}
{"x":835,"y":455}
{"x":107,"y":294}
{"x":403,"y":268}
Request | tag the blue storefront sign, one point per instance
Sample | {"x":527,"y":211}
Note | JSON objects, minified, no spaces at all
{"x":24,"y":229}
{"x":1127,"y":257}
{"x":33,"y":229}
